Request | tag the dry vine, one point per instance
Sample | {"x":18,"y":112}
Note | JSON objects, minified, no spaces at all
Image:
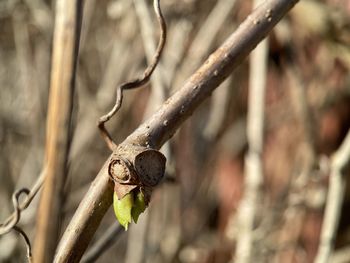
{"x":11,"y":222}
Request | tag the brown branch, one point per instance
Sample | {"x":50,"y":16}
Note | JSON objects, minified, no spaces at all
{"x":27,"y":242}
{"x":65,"y":49}
{"x":163,"y":124}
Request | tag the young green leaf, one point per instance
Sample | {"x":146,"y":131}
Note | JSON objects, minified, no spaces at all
{"x":123,"y":208}
{"x":139,"y":206}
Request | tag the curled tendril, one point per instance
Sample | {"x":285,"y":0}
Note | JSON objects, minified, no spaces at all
{"x":26,"y":202}
{"x":136,"y":83}
{"x":27,"y":242}
{"x":8,"y":225}
{"x":11,"y":223}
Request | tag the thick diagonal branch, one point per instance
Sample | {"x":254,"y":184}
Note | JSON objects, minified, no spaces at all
{"x":163,"y":124}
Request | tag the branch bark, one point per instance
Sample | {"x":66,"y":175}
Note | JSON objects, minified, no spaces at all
{"x":160,"y":127}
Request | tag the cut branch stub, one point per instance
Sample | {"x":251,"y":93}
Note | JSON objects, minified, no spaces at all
{"x":135,"y":166}
{"x":121,"y":171}
{"x":150,"y":167}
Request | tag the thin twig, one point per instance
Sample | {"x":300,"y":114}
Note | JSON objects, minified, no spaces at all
{"x":253,"y":161}
{"x":162,"y":125}
{"x":89,"y":8}
{"x":136,"y":83}
{"x":13,"y":220}
{"x":340,"y":163}
{"x":27,"y":242}
{"x":147,"y":33}
{"x":103,"y":243}
{"x":209,"y":30}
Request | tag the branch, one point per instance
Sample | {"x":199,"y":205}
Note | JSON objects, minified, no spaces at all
{"x":337,"y":182}
{"x":65,"y":50}
{"x":253,"y":163}
{"x":103,"y":243}
{"x":163,"y":124}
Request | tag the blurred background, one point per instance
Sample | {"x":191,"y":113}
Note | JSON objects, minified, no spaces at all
{"x":193,"y":215}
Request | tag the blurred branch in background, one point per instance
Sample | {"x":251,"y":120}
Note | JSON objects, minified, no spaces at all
{"x":103,"y":243}
{"x":339,"y":168}
{"x":59,"y":127}
{"x":246,"y":248}
{"x":205,"y":37}
{"x":306,"y":156}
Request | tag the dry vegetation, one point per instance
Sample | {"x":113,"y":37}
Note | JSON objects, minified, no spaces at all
{"x":192,"y":217}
